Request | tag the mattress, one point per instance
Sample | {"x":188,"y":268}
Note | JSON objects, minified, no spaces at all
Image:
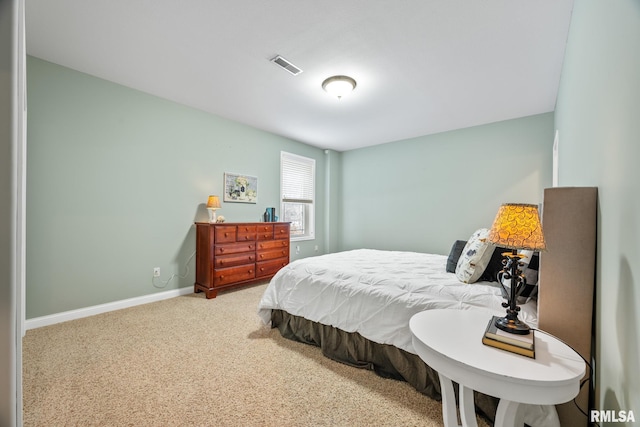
{"x":375,"y":293}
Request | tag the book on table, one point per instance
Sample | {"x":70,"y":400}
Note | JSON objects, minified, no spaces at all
{"x":520,"y":344}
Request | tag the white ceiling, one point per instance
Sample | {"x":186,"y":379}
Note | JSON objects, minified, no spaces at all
{"x":422,"y":66}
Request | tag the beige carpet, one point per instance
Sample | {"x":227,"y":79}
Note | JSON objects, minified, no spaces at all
{"x":189,"y":361}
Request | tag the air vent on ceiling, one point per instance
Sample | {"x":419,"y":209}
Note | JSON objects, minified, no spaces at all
{"x":279,"y":60}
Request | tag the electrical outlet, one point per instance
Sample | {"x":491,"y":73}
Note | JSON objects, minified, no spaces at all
{"x":156,"y":272}
{"x":297,"y":249}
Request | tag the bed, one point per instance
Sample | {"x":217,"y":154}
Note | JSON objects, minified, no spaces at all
{"x":356,"y":305}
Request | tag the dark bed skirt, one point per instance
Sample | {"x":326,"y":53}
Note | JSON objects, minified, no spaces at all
{"x":385,"y":360}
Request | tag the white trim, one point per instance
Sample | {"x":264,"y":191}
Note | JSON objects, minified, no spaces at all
{"x":20,"y":204}
{"x":65,"y":316}
{"x":556,"y":148}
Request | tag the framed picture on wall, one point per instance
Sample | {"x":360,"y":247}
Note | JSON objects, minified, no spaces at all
{"x":240,"y":188}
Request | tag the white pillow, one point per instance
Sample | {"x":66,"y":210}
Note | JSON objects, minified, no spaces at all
{"x":475,"y":257}
{"x":526,"y":259}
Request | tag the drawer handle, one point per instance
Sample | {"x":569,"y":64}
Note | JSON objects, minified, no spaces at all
{"x":261,"y":256}
{"x":283,"y":252}
{"x":250,"y":271}
{"x":221,"y":250}
{"x":250,"y":258}
{"x":246,"y":237}
{"x":221,"y":262}
{"x":266,"y":235}
{"x":226,"y":234}
{"x":261,"y":268}
{"x":284,"y":243}
{"x":221,"y":277}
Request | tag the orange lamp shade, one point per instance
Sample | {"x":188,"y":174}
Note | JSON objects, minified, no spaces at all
{"x":213,"y":202}
{"x":517,"y":226}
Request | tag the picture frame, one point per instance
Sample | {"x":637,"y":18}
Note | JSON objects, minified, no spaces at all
{"x":240,"y":188}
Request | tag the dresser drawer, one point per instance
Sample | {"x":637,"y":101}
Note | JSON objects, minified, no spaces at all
{"x":246,"y":232}
{"x":265,"y":232}
{"x":234,"y":248}
{"x":273,"y":244}
{"x":272,"y":254}
{"x":234,"y":259}
{"x":281,"y":231}
{"x":223,"y":276}
{"x":269,"y":268}
{"x":225,"y":234}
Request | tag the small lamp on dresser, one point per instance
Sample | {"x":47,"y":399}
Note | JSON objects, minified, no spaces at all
{"x":516,"y":227}
{"x":213,"y":204}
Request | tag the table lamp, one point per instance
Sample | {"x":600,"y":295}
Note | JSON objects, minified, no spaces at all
{"x":213,"y":204}
{"x":516,"y":227}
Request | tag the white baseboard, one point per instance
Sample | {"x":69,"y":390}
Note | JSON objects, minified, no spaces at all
{"x":52,"y":319}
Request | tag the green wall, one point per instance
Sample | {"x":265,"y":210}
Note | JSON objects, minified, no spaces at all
{"x":333,"y":200}
{"x":424,"y":193}
{"x":115,"y":180}
{"x":598,"y":120}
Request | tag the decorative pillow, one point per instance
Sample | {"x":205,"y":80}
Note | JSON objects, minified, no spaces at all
{"x":530,"y":272}
{"x":531,"y":275}
{"x":495,"y":265}
{"x":490,"y":273}
{"x":528,"y":256}
{"x":475,"y":257}
{"x":454,"y":255}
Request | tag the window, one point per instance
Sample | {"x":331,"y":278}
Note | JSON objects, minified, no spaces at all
{"x":298,"y":192}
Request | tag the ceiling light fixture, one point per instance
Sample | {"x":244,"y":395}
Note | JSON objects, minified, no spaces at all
{"x":339,"y":85}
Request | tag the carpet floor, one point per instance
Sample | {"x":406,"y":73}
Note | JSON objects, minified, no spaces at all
{"x":189,"y":361}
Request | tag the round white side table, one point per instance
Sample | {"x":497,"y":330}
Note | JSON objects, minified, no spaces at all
{"x":450,"y":341}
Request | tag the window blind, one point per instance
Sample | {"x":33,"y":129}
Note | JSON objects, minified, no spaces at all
{"x":297,"y":178}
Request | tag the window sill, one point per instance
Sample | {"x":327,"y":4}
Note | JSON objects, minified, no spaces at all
{"x":301,"y":238}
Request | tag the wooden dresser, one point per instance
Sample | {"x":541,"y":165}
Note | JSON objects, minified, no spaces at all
{"x":236,"y":254}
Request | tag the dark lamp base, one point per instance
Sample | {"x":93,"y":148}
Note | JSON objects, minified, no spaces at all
{"x":513,"y":327}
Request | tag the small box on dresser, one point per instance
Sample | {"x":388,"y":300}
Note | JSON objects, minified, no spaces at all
{"x":236,"y":254}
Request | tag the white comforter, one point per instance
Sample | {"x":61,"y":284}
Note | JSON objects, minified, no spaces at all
{"x":375,"y":293}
